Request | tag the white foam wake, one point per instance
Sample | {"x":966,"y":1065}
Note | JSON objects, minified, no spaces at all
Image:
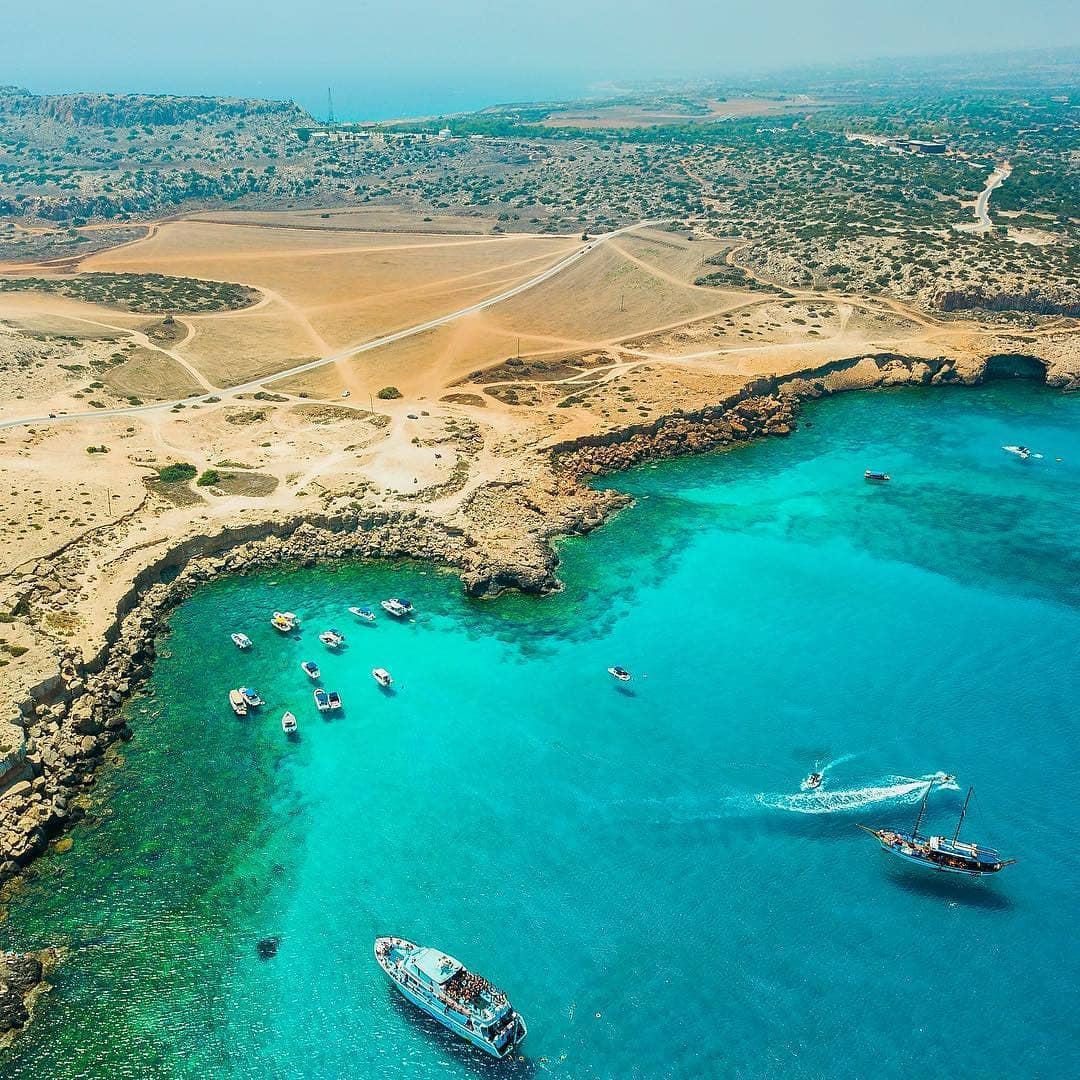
{"x":824,"y":801}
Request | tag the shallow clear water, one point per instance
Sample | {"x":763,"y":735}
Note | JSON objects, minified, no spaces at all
{"x":636,"y":866}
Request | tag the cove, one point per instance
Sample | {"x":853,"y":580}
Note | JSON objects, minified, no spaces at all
{"x":638,"y":870}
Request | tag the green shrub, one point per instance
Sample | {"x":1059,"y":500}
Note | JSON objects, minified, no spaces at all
{"x":208,"y":478}
{"x":388,"y":393}
{"x":179,"y":472}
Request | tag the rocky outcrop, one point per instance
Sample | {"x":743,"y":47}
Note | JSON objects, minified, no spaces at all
{"x":1033,"y":301}
{"x":133,"y":110}
{"x":22,"y":979}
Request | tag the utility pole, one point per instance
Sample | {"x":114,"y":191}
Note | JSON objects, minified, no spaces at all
{"x":329,"y":108}
{"x":518,"y":353}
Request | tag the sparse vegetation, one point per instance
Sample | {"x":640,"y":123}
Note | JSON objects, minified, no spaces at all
{"x":388,"y":393}
{"x":179,"y":472}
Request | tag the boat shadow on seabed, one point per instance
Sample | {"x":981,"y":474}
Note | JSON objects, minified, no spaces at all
{"x":453,"y":1046}
{"x":949,"y":887}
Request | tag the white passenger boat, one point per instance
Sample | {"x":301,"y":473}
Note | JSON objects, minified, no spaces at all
{"x":400,"y":609}
{"x":285,"y":621}
{"x":251,"y":697}
{"x":363,"y":614}
{"x":459,"y":999}
{"x":332,"y":639}
{"x":237,"y":703}
{"x":382,"y":677}
{"x":322,"y":701}
{"x":310,"y":669}
{"x":288,"y":724}
{"x":619,"y":673}
{"x":241,"y":641}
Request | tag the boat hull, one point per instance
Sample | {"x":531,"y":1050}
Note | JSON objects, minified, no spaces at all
{"x":449,"y":1019}
{"x":911,"y":854}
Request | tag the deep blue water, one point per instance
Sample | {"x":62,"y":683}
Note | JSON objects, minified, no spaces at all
{"x":638,"y":870}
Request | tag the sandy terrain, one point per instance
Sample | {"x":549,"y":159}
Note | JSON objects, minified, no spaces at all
{"x":621,"y":337}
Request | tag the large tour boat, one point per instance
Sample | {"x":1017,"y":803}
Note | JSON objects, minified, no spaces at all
{"x":459,"y":999}
{"x":946,"y":853}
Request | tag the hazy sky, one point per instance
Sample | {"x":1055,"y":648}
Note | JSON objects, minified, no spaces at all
{"x":414,"y":56}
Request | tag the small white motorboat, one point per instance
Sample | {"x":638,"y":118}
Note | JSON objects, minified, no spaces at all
{"x":363,"y":613}
{"x":310,"y":669}
{"x":619,"y":673}
{"x":1022,"y":452}
{"x":288,"y":724}
{"x":322,"y":701}
{"x":813,"y":781}
{"x":382,"y":677}
{"x":397,"y":607}
{"x":251,"y":696}
{"x":241,"y":641}
{"x":333,"y":699}
{"x":873,"y":477}
{"x":285,"y":621}
{"x":332,"y":638}
{"x":237,"y":702}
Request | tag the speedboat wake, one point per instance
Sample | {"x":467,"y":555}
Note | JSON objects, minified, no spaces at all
{"x":825,"y":801}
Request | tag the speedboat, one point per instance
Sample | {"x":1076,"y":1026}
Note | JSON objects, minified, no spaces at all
{"x":285,"y":621}
{"x":251,"y":696}
{"x":363,"y":613}
{"x":1023,"y":452}
{"x":333,"y":699}
{"x":237,"y":702}
{"x":459,"y":999}
{"x":619,"y":673}
{"x":288,"y":724}
{"x":332,"y":638}
{"x":876,"y":477}
{"x":310,"y":669}
{"x":813,"y":781}
{"x":397,"y":607}
{"x":241,"y":641}
{"x":322,"y":700}
{"x":382,"y":677}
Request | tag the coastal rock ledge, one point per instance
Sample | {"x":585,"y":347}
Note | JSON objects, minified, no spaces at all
{"x":22,"y":979}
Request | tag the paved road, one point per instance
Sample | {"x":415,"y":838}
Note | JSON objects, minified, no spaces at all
{"x":344,"y":354}
{"x":982,"y":203}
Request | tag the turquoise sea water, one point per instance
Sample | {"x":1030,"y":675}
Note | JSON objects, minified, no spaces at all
{"x":637,"y":866}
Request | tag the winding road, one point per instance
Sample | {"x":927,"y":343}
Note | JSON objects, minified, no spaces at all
{"x":982,"y":203}
{"x":344,"y":354}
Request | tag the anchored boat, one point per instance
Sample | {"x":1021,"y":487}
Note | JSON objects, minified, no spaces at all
{"x":876,"y":477}
{"x":459,"y":999}
{"x":285,"y":621}
{"x":397,"y":607}
{"x":310,"y":669}
{"x":237,"y":703}
{"x":945,"y":853}
{"x":332,"y":638}
{"x":251,"y":697}
{"x":241,"y":641}
{"x":363,"y":613}
{"x":288,"y":724}
{"x":619,"y":673}
{"x":382,"y":677}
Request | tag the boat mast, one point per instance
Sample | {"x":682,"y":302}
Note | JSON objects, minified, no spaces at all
{"x":963,"y":814}
{"x":922,"y":809}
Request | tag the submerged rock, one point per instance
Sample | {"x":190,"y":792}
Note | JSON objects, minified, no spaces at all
{"x":268,"y":947}
{"x":22,"y":978}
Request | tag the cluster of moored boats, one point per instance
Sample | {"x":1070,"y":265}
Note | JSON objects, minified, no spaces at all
{"x":244,"y":698}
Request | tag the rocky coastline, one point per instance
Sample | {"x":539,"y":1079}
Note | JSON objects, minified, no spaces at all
{"x":65,"y":726}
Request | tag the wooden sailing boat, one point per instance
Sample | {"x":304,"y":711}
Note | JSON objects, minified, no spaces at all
{"x":948,"y":854}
